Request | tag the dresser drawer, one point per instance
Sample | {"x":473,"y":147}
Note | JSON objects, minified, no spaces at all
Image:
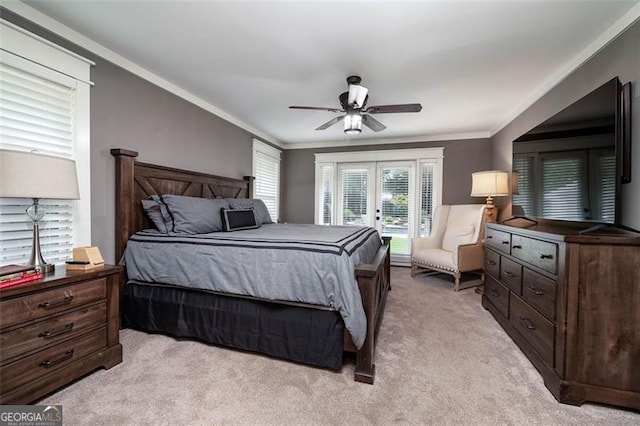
{"x":539,"y":292}
{"x":537,"y":330}
{"x":511,"y":274}
{"x":497,"y":294}
{"x":51,"y":330}
{"x":38,"y":305}
{"x":52,"y":359}
{"x":498,"y":240}
{"x":492,"y":263}
{"x":542,"y":254}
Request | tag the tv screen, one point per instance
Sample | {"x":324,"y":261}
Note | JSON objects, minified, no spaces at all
{"x":567,"y":168}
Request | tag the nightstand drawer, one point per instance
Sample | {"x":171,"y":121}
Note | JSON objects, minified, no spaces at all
{"x":492,"y":263}
{"x":39,"y":305}
{"x":50,"y":360}
{"x":497,"y":294}
{"x":542,"y":254}
{"x":537,"y":330}
{"x":511,"y":274}
{"x":51,"y":330}
{"x":498,"y":240}
{"x":539,"y":292}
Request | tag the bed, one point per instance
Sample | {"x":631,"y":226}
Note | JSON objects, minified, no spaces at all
{"x":314,"y":332}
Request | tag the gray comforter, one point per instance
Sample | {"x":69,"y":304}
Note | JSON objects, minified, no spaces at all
{"x":311,"y":264}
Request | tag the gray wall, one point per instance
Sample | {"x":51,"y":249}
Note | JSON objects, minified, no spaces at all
{"x":620,"y":58}
{"x":129,"y":112}
{"x":461,"y":158}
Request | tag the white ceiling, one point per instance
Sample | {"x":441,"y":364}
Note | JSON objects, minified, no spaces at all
{"x":472,"y":65}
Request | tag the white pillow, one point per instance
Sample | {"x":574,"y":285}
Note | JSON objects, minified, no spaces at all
{"x":456,"y":236}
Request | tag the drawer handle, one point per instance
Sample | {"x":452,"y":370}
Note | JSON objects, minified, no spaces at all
{"x":536,"y":291}
{"x":546,"y":256}
{"x":492,"y":262}
{"x":48,"y":305}
{"x":509,"y":274}
{"x":52,"y":333}
{"x":490,"y":237}
{"x":528,"y":323}
{"x":517,"y":247}
{"x":494,"y":293}
{"x":505,"y":242}
{"x":51,"y":362}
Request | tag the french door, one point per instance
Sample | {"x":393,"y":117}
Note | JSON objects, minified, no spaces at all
{"x":379,"y":194}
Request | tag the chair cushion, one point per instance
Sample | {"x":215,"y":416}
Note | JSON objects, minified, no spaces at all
{"x":458,"y":235}
{"x":435,"y":257}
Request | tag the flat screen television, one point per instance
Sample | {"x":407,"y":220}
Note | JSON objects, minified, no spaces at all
{"x":571,"y":166}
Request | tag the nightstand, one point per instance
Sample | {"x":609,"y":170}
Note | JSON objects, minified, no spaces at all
{"x":55,"y":330}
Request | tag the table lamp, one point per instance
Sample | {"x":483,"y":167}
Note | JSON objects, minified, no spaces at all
{"x":32,"y":175}
{"x":491,"y":183}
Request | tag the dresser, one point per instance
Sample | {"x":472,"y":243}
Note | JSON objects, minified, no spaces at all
{"x":55,"y":330}
{"x":571,"y":302}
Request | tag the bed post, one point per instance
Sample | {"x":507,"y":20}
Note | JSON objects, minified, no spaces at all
{"x":250,"y":181}
{"x":374,"y":283}
{"x":125,"y":160}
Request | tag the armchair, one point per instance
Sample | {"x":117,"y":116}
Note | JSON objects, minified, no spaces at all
{"x":456,"y":243}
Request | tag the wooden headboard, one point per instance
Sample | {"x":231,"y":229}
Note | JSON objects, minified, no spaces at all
{"x":137,"y":181}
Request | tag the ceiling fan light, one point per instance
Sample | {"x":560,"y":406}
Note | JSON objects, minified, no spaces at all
{"x":352,"y":124}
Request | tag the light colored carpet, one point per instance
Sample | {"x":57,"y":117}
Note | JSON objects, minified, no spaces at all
{"x":442,"y":359}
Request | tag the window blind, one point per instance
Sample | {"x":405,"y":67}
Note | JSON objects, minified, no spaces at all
{"x":394,"y":190}
{"x":36,"y":113}
{"x":426,"y":198}
{"x":326,"y":194}
{"x":354,"y":196}
{"x":607,"y":172}
{"x":267,"y":183}
{"x":563,"y":187}
{"x":523,"y":194}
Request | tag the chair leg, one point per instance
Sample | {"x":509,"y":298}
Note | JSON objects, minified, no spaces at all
{"x":414,"y":269}
{"x":456,"y":285}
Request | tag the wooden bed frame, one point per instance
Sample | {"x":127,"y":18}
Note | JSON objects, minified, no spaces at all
{"x":137,"y":181}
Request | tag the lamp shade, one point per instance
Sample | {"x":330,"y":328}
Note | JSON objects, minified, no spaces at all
{"x":490,"y":183}
{"x":31,"y":175}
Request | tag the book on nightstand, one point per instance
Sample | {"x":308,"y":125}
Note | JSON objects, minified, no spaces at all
{"x":11,"y":275}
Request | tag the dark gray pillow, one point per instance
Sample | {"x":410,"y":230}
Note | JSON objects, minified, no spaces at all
{"x":152,"y":209}
{"x":192,"y":215}
{"x":262,"y":214}
{"x":238,"y":219}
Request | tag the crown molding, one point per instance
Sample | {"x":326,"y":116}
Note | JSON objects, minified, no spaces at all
{"x":386,"y":141}
{"x":75,"y":37}
{"x":620,"y":26}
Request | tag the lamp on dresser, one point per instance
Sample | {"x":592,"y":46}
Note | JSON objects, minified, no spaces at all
{"x":491,"y":183}
{"x":36,"y":176}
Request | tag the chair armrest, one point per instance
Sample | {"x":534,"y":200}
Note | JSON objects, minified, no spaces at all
{"x":469,"y":257}
{"x":423,"y":243}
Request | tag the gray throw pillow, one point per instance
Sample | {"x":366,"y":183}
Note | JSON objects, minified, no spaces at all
{"x":262,"y":214}
{"x":152,"y":209}
{"x":192,"y":215}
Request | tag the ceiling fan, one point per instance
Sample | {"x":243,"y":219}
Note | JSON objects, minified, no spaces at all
{"x":353,"y":105}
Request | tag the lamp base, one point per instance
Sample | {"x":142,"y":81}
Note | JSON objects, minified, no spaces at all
{"x":36,"y":259}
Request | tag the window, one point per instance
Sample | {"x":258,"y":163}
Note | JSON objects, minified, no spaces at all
{"x":326,"y":188}
{"x":266,"y":169}
{"x":44,"y":106}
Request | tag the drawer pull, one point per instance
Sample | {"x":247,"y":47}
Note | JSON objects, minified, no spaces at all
{"x":489,"y":237}
{"x":492,"y":262}
{"x":527,"y":322}
{"x":52,"y":333}
{"x":50,"y":363}
{"x":536,"y":291}
{"x":546,"y":256}
{"x":517,"y":247}
{"x":48,"y":305}
{"x":494,"y":293}
{"x":505,"y":242}
{"x":509,"y":274}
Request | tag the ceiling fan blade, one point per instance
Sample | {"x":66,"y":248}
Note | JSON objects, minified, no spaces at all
{"x":372,"y":123}
{"x":383,"y":109}
{"x":331,"y":122}
{"x":316,"y":108}
{"x":357,"y":95}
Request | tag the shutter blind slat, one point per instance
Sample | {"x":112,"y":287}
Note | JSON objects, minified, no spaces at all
{"x":35,"y":114}
{"x":426,"y":198}
{"x":523,"y":198}
{"x":267,"y":182}
{"x":354,"y":197}
{"x":562,"y":188}
{"x":326,"y":194}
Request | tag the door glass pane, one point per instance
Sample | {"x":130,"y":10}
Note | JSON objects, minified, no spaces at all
{"x":394,"y":214}
{"x":426,"y":198}
{"x":354,"y":196}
